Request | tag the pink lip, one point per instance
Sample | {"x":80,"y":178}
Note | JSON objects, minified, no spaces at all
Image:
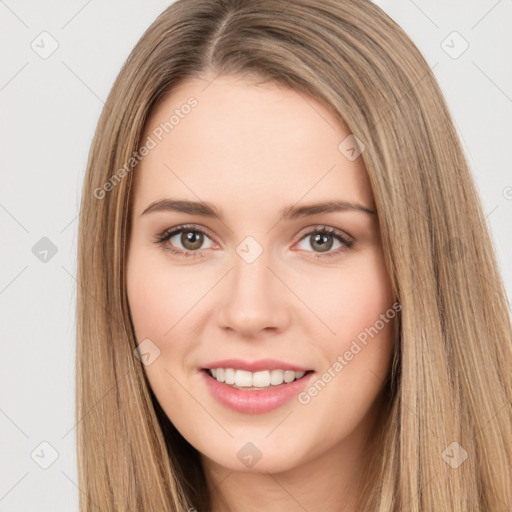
{"x":256,"y":366}
{"x":254,"y":401}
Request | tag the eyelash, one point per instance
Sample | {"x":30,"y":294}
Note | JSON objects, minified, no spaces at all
{"x":168,"y":234}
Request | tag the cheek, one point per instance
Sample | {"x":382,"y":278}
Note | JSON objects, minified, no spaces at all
{"x":147,"y":302}
{"x":357,"y":307}
{"x":352,"y":296}
{"x":159,"y":295}
{"x":159,"y":301}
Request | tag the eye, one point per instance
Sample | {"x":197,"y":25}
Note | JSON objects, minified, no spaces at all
{"x":324,"y":238}
{"x":188,"y":241}
{"x":190,"y":238}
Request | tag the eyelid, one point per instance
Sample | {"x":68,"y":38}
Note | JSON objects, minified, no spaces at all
{"x":182,"y":227}
{"x":170,"y":232}
{"x":327,"y":229}
{"x":345,"y":239}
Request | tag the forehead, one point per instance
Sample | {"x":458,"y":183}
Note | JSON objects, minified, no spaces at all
{"x":234,"y":142}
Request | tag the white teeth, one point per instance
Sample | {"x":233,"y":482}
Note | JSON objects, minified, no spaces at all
{"x":229,"y":376}
{"x":289,"y":376}
{"x":261,"y":379}
{"x":276,"y":377}
{"x":243,"y":378}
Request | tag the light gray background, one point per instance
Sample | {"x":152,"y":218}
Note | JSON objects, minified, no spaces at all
{"x":49,"y":110}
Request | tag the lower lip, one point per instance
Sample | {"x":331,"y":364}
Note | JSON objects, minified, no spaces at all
{"x":255,"y":401}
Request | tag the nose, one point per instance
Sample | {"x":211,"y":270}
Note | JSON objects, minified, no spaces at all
{"x":253,"y":299}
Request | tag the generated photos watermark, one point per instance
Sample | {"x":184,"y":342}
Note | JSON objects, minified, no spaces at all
{"x":343,"y":360}
{"x":150,"y":143}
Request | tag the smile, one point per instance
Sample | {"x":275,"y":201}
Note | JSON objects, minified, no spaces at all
{"x":257,"y":394}
{"x":254,"y":380}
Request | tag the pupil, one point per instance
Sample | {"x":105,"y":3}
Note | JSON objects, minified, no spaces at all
{"x":323,"y":239}
{"x":193,"y":239}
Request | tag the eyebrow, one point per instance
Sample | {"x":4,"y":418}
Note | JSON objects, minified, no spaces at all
{"x":291,"y":212}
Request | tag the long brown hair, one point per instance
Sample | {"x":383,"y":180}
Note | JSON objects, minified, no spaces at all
{"x":451,"y":386}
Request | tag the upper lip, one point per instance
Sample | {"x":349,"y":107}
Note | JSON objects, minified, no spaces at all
{"x":255,"y":366}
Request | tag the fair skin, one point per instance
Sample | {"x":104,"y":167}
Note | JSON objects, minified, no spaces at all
{"x":252,"y":150}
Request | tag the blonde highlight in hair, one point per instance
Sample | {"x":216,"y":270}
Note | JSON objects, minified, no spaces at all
{"x":451,"y":379}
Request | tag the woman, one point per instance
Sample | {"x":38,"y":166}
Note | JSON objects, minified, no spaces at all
{"x":289,"y":298}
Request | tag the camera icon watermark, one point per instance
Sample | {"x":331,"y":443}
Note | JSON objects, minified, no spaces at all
{"x":454,"y":455}
{"x":44,"y":455}
{"x":147,"y":352}
{"x":45,"y":45}
{"x":249,"y":249}
{"x":454,"y":45}
{"x":249,"y":455}
{"x":454,"y":249}
{"x":351,"y":147}
{"x":44,"y":250}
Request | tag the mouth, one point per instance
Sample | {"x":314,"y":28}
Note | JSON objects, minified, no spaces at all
{"x":255,"y":381}
{"x":255,"y":392}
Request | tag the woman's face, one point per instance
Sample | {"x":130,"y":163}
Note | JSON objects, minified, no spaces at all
{"x":262,"y":281}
